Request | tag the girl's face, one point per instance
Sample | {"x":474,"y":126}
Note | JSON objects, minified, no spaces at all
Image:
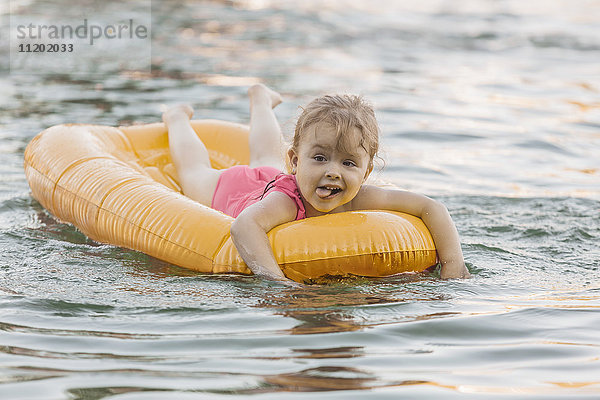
{"x":327,"y":177}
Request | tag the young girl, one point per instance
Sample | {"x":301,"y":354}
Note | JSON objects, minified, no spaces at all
{"x":331,"y":156}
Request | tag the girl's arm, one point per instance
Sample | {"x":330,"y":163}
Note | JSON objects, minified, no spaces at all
{"x":433,"y":213}
{"x":249,"y":233}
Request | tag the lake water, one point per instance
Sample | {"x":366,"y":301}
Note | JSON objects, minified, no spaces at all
{"x":492,"y":107}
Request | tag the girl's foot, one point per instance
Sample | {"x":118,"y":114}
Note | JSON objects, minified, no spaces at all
{"x":177,"y":113}
{"x":260,"y":93}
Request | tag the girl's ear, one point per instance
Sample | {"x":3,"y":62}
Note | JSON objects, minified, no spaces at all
{"x":293,"y":160}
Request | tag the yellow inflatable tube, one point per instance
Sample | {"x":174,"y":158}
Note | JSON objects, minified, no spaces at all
{"x":119,"y":186}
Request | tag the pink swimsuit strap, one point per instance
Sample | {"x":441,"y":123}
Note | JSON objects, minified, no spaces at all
{"x":240,"y":186}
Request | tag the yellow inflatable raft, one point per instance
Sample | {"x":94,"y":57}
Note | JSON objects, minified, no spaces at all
{"x":119,"y":186}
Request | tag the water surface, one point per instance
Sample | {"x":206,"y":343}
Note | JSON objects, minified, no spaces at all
{"x":489,"y":106}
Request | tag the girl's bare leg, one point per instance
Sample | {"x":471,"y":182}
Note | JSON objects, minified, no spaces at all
{"x":197,"y":178}
{"x":265,"y":133}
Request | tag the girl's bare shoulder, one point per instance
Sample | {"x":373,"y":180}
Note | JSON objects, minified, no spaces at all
{"x":274,"y":209}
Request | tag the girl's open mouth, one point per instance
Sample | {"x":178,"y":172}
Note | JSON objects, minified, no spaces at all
{"x":325,"y":192}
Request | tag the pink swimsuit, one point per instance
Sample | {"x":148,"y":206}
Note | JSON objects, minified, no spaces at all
{"x":240,"y":186}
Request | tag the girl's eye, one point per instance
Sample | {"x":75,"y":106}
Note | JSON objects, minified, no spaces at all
{"x":319,"y":158}
{"x":349,"y":163}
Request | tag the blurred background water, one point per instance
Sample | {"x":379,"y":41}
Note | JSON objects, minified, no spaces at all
{"x":491,"y":106}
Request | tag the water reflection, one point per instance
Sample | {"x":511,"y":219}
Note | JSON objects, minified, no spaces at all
{"x":325,"y":378}
{"x":350,"y":307}
{"x":330,"y":352}
{"x":514,"y":111}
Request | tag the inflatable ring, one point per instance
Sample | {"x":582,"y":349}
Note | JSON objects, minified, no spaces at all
{"x":119,"y":186}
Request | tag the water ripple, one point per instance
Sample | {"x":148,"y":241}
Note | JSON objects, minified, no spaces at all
{"x":490,"y":107}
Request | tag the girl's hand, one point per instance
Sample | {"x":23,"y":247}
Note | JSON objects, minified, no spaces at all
{"x":433,"y":213}
{"x":249,"y":233}
{"x":454,"y":269}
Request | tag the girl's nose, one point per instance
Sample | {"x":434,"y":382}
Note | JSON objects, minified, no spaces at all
{"x":333,"y":173}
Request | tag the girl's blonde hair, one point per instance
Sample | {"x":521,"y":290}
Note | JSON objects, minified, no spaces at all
{"x":342,"y":112}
